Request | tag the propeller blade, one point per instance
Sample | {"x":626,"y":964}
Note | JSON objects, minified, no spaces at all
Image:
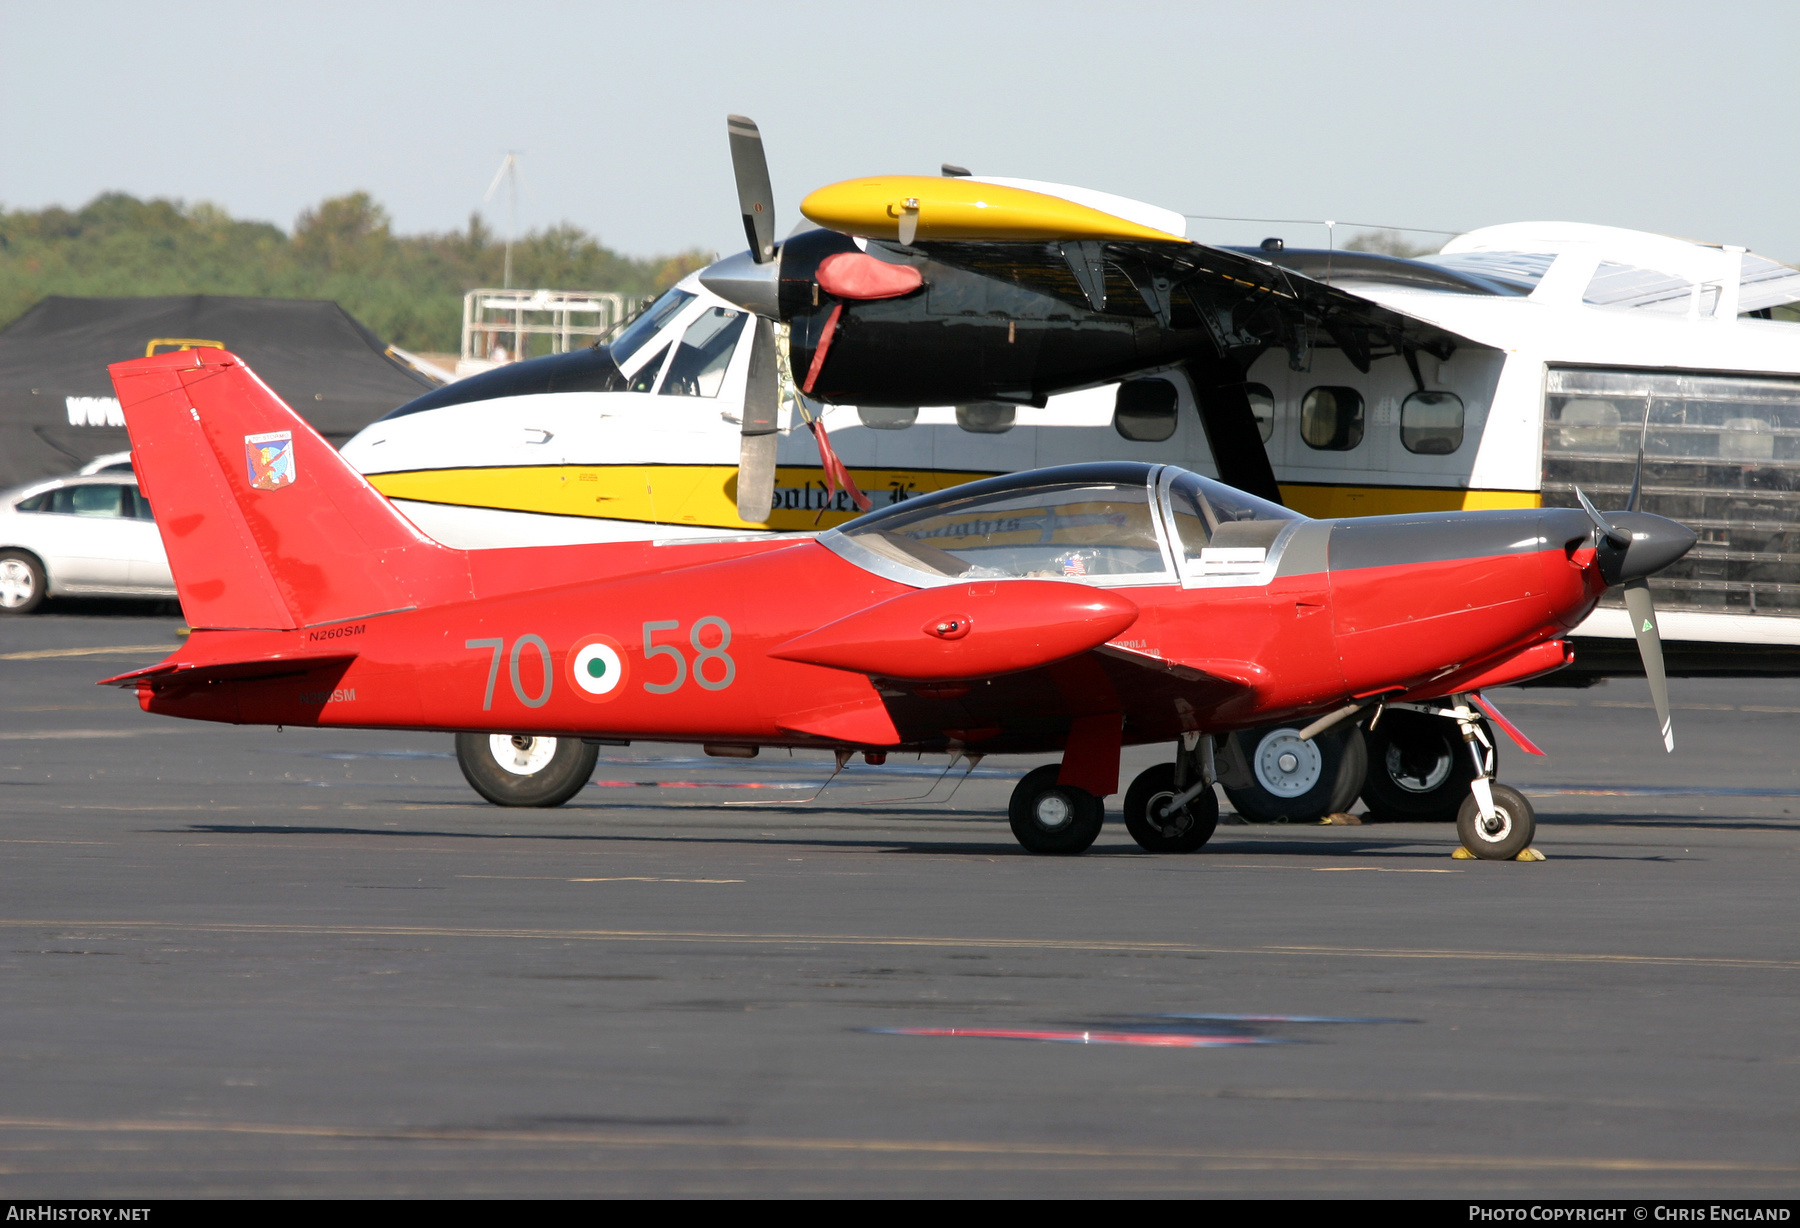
{"x":1637,"y":476}
{"x":756,"y":199}
{"x":756,"y":478}
{"x":1649,"y":642}
{"x":762,"y":406}
{"x":1617,"y":537}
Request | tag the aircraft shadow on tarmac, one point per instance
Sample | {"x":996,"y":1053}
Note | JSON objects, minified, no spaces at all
{"x":1338,"y":848}
{"x":1673,"y":822}
{"x":112,"y":607}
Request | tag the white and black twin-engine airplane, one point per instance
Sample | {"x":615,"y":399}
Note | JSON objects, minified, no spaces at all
{"x":929,"y":331}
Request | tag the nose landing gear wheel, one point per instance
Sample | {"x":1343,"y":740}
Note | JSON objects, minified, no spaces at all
{"x":1507,"y":835}
{"x":523,"y":770}
{"x":1051,"y":818}
{"x":1184,"y":831}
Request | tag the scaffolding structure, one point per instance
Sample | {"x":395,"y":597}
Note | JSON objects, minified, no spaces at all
{"x":502,"y":326}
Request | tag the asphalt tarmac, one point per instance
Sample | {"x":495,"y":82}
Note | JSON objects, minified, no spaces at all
{"x":245,"y":962}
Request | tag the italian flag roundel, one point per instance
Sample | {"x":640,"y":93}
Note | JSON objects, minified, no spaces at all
{"x":596,"y":665}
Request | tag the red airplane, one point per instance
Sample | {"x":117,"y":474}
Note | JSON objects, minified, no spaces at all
{"x":1074,"y":609}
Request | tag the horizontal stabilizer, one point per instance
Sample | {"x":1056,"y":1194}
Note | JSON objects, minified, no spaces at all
{"x":190,"y":673}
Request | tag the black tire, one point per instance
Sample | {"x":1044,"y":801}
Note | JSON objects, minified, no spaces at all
{"x":1051,"y":818}
{"x":1518,"y":824}
{"x":1185,"y":831}
{"x":1330,"y":784}
{"x":1419,"y":768}
{"x":559,"y":776}
{"x":22,"y":582}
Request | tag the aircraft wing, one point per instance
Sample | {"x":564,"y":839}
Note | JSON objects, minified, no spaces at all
{"x":1001,"y":662}
{"x":1245,"y":302}
{"x":1159,"y":700}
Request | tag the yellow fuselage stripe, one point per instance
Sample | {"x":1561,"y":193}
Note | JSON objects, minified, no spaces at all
{"x":705,"y":496}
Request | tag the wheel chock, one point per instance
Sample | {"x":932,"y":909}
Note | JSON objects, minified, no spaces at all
{"x":1340,"y":820}
{"x":1462,"y":854}
{"x":1530,"y":855}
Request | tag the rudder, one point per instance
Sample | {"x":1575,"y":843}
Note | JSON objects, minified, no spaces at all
{"x":265,"y":525}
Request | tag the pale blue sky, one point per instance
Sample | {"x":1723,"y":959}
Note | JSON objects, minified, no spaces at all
{"x":1681,"y":118}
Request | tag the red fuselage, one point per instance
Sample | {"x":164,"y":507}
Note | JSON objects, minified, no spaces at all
{"x":1425,"y":605}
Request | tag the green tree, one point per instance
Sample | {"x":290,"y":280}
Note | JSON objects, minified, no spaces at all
{"x":407,"y":288}
{"x":1388,"y":243}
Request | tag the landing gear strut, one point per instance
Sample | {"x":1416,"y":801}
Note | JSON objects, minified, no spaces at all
{"x":1171,"y":808}
{"x":1495,"y":822}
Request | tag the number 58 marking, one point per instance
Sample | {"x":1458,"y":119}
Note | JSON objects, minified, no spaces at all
{"x":702,"y":655}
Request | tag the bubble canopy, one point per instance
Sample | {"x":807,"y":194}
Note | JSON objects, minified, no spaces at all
{"x":1109,"y":524}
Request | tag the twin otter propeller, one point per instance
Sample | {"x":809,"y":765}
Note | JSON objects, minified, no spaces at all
{"x":1071,"y":610}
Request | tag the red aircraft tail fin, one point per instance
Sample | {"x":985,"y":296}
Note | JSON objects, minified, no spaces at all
{"x":265,"y":524}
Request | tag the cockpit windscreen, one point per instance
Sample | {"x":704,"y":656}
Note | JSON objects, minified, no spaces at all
{"x":1057,"y":531}
{"x":1211,"y":516}
{"x":647,"y":325}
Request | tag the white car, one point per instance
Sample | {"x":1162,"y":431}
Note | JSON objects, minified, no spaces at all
{"x":88,"y":535}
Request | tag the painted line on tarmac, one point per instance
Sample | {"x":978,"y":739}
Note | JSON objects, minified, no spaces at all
{"x":622,"y":878}
{"x":1640,"y":704}
{"x":1097,"y":946}
{"x":1235,"y":865}
{"x":1221,"y":1158}
{"x":47,"y":735}
{"x":1651,"y":791}
{"x":117,"y":650}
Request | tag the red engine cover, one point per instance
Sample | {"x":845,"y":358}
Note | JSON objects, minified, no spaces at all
{"x":967,"y":630}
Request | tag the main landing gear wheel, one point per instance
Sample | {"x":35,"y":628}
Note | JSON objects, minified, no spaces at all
{"x":21,"y":583}
{"x":1299,"y":782}
{"x":1051,"y":818}
{"x":521,"y":770}
{"x":1183,"y":831}
{"x":1505,"y":836}
{"x":1419,"y":768}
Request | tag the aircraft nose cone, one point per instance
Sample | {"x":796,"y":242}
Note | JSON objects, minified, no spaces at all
{"x":752,"y":286}
{"x":1655,"y":543}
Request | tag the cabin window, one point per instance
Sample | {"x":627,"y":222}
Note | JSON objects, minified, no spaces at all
{"x":1061,"y":532}
{"x":645,"y":379}
{"x":986,"y":417}
{"x":639,"y":332}
{"x":136,"y":506}
{"x":705,"y":351}
{"x":1144,"y":410}
{"x":39,"y":502}
{"x":1262,"y":406}
{"x":1431,"y":423}
{"x":1331,"y":419}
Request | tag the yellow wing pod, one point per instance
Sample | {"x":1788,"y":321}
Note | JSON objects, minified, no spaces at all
{"x":962,"y":209}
